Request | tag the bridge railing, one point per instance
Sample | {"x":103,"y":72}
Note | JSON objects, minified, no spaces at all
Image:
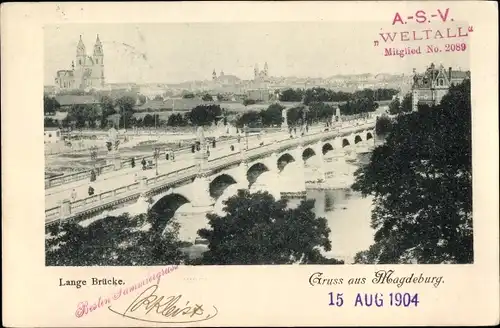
{"x":81,"y":205}
{"x":125,"y":163}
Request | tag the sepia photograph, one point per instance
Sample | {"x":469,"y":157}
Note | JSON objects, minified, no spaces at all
{"x":253,"y":144}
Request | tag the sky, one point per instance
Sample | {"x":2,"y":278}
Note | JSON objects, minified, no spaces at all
{"x":178,"y":52}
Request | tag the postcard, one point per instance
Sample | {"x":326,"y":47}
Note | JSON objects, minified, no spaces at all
{"x":250,"y":164}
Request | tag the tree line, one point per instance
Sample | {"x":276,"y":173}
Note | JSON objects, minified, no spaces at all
{"x":256,"y":229}
{"x":421,"y":178}
{"x":318,"y":94}
{"x":97,"y":115}
{"x":265,"y":117}
{"x":404,"y":106}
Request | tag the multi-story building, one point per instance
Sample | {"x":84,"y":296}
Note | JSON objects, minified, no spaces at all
{"x":429,"y":87}
{"x":88,"y":73}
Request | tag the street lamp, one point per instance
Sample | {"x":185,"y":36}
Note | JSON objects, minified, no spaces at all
{"x":156,"y":154}
{"x":93,"y":158}
{"x":246,"y":136}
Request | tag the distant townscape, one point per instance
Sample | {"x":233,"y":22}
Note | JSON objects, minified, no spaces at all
{"x":366,"y":168}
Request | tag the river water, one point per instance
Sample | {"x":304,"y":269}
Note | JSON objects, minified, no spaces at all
{"x":348,"y":213}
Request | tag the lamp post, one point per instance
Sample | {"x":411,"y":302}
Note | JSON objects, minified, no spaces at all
{"x":246,"y":136}
{"x":93,"y":156}
{"x":156,"y":154}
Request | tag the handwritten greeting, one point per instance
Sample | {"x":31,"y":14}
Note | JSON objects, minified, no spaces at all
{"x":149,"y":306}
{"x":84,"y":308}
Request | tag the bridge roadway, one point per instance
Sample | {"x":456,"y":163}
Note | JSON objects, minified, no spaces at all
{"x":115,"y":179}
{"x":129,"y":189}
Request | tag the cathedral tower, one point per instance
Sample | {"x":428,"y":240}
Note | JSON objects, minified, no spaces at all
{"x":98,"y":59}
{"x":80,"y":53}
{"x":214,"y":75}
{"x":266,"y":70}
{"x":256,"y":71}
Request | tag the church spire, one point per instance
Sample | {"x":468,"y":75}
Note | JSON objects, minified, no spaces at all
{"x":98,"y":47}
{"x":80,"y":48}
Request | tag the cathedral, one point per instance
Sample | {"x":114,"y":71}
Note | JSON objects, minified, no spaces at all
{"x":261,"y":75}
{"x":87,"y":72}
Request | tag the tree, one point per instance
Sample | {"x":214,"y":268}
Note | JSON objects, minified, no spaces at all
{"x":205,"y":114}
{"x":292,"y":95}
{"x":176,"y":120}
{"x":49,"y":122}
{"x":78,"y":114}
{"x":395,"y":107}
{"x":421,"y":180}
{"x":149,"y":120}
{"x":257,"y":229}
{"x":93,"y":114}
{"x":158,"y":97}
{"x":317,"y":94}
{"x":50,"y":105}
{"x":247,"y":102}
{"x":272,"y":115}
{"x":207,"y":97}
{"x":294,"y":115}
{"x":383,"y":125}
{"x":114,"y":241}
{"x":108,"y":108}
{"x":407,"y":103}
{"x":126,"y":106}
{"x":250,"y":118}
{"x":188,"y":95}
{"x":142,"y":99}
{"x":319,"y":111}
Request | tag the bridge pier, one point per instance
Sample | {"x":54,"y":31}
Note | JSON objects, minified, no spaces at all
{"x":241,"y":176}
{"x":65,"y":208}
{"x":201,"y":192}
{"x":321,"y":169}
{"x":142,"y":205}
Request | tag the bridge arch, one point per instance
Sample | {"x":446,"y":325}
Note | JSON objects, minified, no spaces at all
{"x":255,"y":171}
{"x":283,"y":160}
{"x":326,"y":148}
{"x":164,"y":209}
{"x":369,"y":136}
{"x":308,"y":153}
{"x":345,"y":143}
{"x":219,"y":184}
{"x":357,"y":139}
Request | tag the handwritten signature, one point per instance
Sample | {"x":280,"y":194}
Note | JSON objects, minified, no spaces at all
{"x":166,"y":306}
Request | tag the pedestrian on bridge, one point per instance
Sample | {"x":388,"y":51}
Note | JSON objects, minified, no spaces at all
{"x":73,"y":195}
{"x":91,"y":191}
{"x":143,"y":162}
{"x":92,"y":176}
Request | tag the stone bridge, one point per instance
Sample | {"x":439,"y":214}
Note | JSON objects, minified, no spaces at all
{"x":202,"y":184}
